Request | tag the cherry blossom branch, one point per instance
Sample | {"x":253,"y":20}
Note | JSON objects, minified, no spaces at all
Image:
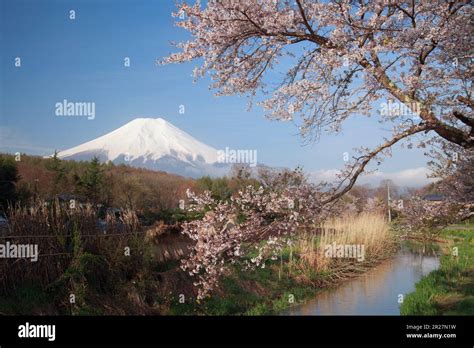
{"x":358,"y":168}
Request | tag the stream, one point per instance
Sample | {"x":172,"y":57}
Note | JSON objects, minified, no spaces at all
{"x":375,"y":292}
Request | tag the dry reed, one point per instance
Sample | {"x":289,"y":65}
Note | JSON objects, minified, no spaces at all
{"x":368,"y":230}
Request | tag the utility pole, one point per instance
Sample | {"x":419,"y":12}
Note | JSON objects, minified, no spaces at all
{"x":388,"y":204}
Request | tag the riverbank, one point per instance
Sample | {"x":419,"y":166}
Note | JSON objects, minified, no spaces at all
{"x":263,"y":292}
{"x":450,"y":289}
{"x":96,"y":278}
{"x":300,"y":272}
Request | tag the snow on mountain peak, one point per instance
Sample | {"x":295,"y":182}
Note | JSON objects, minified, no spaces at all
{"x":143,"y":140}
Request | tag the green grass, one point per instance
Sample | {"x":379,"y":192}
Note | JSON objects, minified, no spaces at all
{"x":27,"y":299}
{"x":258,"y":292}
{"x":450,"y":289}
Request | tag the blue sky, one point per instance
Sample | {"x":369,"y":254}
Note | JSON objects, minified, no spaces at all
{"x":82,"y":60}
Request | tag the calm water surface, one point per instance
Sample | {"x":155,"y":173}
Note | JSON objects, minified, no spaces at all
{"x":374,"y":292}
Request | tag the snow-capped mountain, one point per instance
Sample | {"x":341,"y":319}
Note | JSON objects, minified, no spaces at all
{"x":153,"y":144}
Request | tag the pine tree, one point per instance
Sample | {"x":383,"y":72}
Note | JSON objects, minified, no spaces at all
{"x":91,"y":182}
{"x":59,"y":172}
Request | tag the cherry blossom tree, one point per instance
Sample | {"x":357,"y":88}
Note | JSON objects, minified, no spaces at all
{"x":454,"y":168}
{"x":409,"y":60}
{"x":251,"y":227}
{"x":319,"y":63}
{"x":428,"y":218}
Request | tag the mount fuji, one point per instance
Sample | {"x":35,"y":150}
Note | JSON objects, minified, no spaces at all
{"x":153,"y":144}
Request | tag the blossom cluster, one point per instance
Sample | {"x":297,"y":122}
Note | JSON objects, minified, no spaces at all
{"x":249,"y":228}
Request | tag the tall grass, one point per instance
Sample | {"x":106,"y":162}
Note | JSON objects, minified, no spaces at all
{"x":76,"y":254}
{"x":368,"y":230}
{"x":301,"y":270}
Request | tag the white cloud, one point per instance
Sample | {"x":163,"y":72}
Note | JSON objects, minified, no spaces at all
{"x":414,"y":177}
{"x":324,"y":175}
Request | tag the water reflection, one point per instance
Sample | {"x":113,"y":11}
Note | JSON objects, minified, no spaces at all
{"x":375,"y":292}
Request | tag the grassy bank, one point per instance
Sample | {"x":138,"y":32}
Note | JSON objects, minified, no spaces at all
{"x":450,"y":289}
{"x":79,"y":269}
{"x":299,"y":273}
{"x":104,"y":280}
